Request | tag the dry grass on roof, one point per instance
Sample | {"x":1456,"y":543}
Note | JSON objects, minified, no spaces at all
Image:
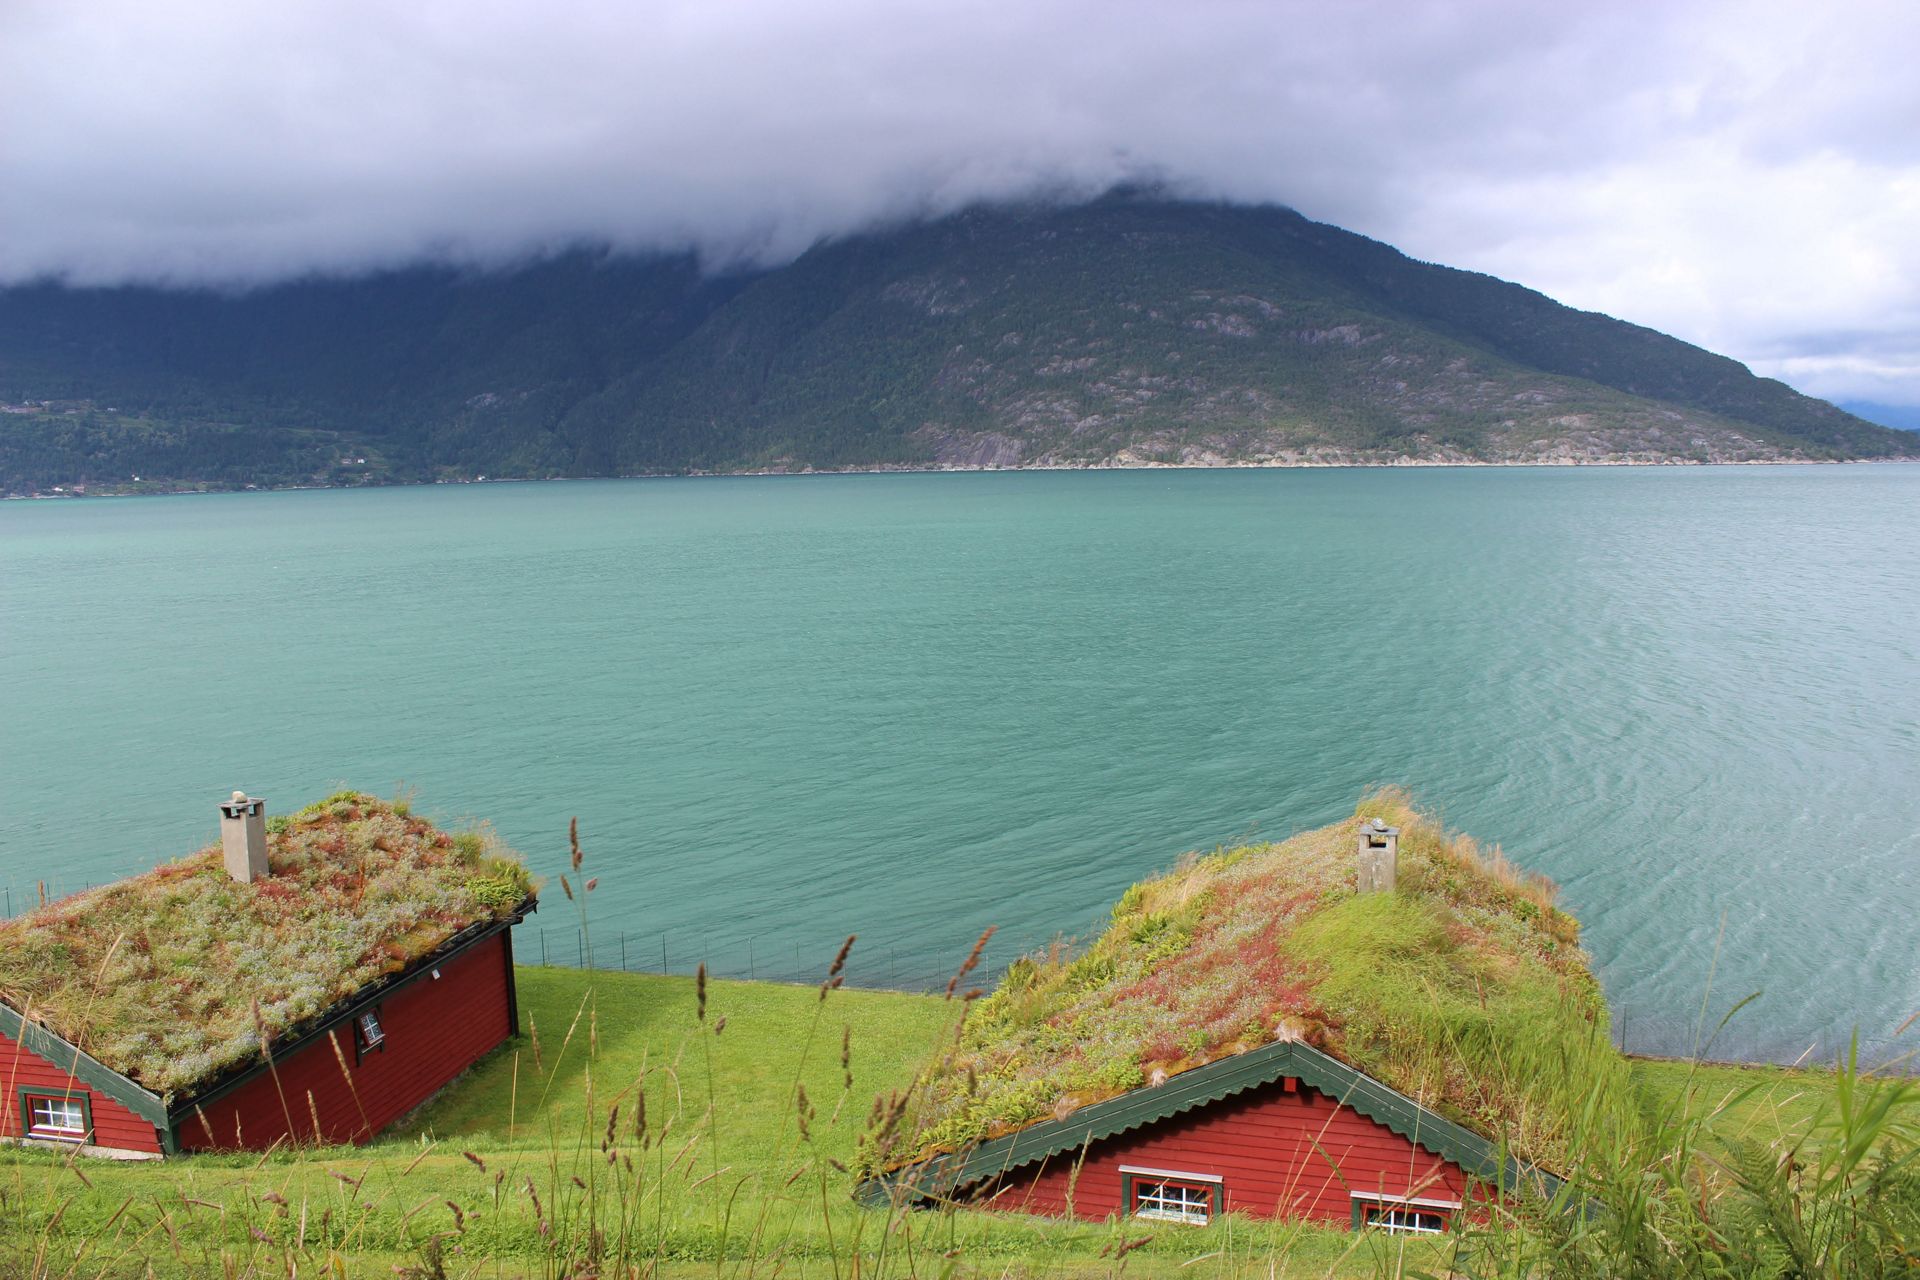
{"x":1465,"y":989}
{"x":156,"y":975}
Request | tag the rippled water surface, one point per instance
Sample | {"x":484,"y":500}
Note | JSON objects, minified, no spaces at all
{"x":786,"y":709}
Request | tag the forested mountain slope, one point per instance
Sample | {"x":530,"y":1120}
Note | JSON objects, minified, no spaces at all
{"x":1130,"y":330}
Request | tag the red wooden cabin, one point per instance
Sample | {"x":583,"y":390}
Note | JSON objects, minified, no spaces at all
{"x":400,"y":1041}
{"x":1281,"y":1131}
{"x":342,"y":1076}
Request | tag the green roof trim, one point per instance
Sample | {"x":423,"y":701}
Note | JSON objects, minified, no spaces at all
{"x":82,"y":1067}
{"x":1223,"y":1078}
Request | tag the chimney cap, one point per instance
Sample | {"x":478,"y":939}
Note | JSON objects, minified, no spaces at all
{"x":242,"y":805}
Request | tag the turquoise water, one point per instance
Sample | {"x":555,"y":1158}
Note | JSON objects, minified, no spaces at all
{"x":909,"y":706}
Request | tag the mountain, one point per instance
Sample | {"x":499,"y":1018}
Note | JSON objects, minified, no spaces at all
{"x":1133,"y":329}
{"x":1903,"y":417}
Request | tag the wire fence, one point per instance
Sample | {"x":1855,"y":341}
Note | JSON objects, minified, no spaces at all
{"x":895,"y":964}
{"x":1758,"y":1039}
{"x":19,"y":899}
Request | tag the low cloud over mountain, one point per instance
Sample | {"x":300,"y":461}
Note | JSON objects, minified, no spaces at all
{"x":1745,"y":175}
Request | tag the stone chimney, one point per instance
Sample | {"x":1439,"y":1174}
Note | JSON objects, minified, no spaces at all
{"x":243,"y":837}
{"x":1379,"y":856}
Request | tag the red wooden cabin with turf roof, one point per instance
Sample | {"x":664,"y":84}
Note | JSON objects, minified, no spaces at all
{"x":376,"y":956}
{"x":1283,"y":1129}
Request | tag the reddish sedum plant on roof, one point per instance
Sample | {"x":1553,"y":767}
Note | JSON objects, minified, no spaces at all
{"x":155,"y":975}
{"x":1459,"y":988}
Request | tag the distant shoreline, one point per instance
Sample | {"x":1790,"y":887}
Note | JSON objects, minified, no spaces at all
{"x":1402,"y":464}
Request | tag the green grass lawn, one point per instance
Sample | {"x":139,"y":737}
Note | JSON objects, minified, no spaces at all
{"x":1755,"y":1103}
{"x":608,"y":1032}
{"x":728,"y":1190}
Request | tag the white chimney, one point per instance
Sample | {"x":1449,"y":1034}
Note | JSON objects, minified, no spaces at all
{"x":1379,"y":856}
{"x":243,"y":837}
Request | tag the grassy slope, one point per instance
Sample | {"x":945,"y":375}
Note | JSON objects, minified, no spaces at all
{"x":625,"y":1029}
{"x":1760,"y":1103}
{"x":195,"y":1217}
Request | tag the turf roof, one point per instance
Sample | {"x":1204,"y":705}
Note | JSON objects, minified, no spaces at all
{"x":1464,"y":989}
{"x":156,"y":975}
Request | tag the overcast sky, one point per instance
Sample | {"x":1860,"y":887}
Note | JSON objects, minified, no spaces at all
{"x":1743,"y":175}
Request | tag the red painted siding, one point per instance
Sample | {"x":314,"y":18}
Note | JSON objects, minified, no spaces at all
{"x":1278,"y":1153}
{"x":113,"y":1124}
{"x":434,"y":1031}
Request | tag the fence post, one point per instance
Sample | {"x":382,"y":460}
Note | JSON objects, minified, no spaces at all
{"x":749,"y":959}
{"x":663,"y":955}
{"x":543,"y":948}
{"x":623,"y":951}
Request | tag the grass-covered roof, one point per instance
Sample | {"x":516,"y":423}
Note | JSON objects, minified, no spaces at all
{"x":156,"y":975}
{"x":1465,"y":989}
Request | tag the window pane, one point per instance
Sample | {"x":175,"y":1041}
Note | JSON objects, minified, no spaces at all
{"x":63,"y":1116}
{"x":1173,"y":1202}
{"x":1415,"y":1221}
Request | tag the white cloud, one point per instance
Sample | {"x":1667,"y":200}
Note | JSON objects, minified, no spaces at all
{"x":1745,"y":175}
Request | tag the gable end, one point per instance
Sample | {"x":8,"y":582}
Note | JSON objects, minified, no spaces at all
{"x":73,"y":1062}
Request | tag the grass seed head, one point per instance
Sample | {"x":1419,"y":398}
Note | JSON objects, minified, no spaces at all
{"x":260,"y":1028}
{"x":972,"y":961}
{"x":840,"y":960}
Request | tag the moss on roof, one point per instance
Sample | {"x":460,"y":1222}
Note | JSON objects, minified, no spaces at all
{"x":156,"y":975}
{"x":1465,"y":989}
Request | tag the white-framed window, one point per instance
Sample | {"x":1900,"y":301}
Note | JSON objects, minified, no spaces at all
{"x":58,"y":1117}
{"x":1405,"y":1215}
{"x":1164,"y":1195}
